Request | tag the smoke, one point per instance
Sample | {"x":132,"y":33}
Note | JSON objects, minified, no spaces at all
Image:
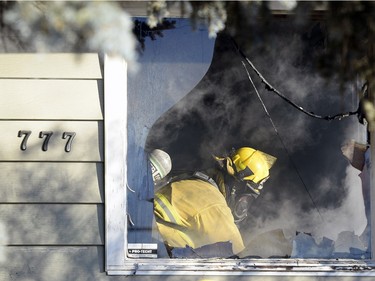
{"x":316,"y":189}
{"x":312,"y":187}
{"x":322,"y":222}
{"x":289,"y":70}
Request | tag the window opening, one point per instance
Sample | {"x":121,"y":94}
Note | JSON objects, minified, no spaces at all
{"x":208,"y":117}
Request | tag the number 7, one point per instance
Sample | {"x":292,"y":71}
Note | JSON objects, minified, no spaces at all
{"x":48,"y":135}
{"x":70,"y":136}
{"x":26,"y":137}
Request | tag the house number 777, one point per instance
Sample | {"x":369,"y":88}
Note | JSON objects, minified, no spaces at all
{"x":46,"y":136}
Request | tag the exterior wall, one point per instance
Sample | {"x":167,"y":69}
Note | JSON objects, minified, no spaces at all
{"x":52,"y":202}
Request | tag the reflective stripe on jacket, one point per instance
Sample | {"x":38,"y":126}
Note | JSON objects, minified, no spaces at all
{"x":194,"y":213}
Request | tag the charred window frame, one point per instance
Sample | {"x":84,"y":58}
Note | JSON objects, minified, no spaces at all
{"x":118,"y":221}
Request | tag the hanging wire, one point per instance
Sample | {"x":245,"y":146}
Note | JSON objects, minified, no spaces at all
{"x":282,"y":142}
{"x":269,"y":87}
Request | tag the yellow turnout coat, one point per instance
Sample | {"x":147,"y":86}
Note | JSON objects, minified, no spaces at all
{"x":193,"y":212}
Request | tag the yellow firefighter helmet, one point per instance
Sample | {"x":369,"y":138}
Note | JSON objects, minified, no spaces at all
{"x":248,"y":164}
{"x":252,"y":168}
{"x":251,"y":164}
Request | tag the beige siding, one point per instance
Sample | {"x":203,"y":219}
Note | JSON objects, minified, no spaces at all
{"x":51,"y":99}
{"x":85,"y":146}
{"x":51,"y":182}
{"x":54,"y":197}
{"x":53,"y":224}
{"x":60,"y":66}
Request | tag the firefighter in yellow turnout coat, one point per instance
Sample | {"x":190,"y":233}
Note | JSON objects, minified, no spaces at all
{"x":202,"y":209}
{"x":195,"y":213}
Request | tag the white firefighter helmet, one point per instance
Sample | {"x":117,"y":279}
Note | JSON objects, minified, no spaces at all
{"x":161,"y":164}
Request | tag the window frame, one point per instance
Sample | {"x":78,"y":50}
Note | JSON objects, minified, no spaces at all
{"x":116,"y":221}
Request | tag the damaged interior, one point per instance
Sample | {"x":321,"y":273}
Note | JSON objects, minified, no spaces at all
{"x":199,"y":100}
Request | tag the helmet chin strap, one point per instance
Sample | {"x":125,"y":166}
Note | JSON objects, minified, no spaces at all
{"x":231,"y":169}
{"x":255,"y":191}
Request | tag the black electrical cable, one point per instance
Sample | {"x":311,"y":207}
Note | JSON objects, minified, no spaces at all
{"x":269,"y":87}
{"x":282,"y":142}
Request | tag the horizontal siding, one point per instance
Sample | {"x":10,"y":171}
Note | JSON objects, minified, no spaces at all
{"x":51,"y":99}
{"x":53,"y":224}
{"x":51,"y":202}
{"x":61,"y":66}
{"x":54,"y":264}
{"x":33,"y":182}
{"x":86,"y":146}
